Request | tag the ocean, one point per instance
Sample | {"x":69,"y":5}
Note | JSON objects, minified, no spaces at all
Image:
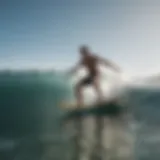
{"x":31,"y":125}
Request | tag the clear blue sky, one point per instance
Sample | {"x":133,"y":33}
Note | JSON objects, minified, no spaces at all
{"x":47,"y":33}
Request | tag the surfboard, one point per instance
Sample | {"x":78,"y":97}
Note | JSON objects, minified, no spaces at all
{"x":68,"y":105}
{"x":99,"y":109}
{"x":73,"y":105}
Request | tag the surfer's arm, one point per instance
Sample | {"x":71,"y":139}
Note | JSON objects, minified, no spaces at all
{"x":75,"y":68}
{"x":110,"y":64}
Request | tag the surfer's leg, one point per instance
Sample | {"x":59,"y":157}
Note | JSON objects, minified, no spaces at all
{"x":78,"y":94}
{"x":78,"y":89}
{"x":96,"y":84}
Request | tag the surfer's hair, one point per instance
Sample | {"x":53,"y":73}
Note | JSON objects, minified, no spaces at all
{"x":84,"y":48}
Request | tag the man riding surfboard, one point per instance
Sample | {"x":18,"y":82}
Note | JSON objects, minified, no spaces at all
{"x":90,"y":62}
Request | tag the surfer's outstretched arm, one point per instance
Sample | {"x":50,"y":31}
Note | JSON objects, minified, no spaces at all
{"x":74,"y":69}
{"x":110,"y":64}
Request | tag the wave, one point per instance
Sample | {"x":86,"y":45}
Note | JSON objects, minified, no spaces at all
{"x":30,"y":118}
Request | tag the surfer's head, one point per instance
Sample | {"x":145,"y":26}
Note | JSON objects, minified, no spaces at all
{"x":84,"y":50}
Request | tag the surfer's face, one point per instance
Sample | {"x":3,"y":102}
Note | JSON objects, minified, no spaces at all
{"x":84,"y":52}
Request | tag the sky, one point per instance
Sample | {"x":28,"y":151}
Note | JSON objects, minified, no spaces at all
{"x":47,"y":33}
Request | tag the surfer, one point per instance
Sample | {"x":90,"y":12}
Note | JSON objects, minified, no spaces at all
{"x":90,"y":62}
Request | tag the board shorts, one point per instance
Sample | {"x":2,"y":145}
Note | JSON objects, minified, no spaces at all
{"x":88,"y":80}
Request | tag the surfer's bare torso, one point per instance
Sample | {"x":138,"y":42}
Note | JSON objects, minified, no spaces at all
{"x":90,"y":63}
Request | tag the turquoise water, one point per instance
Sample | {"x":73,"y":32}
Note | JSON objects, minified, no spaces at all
{"x":29,"y":110}
{"x":27,"y":100}
{"x":30,"y":119}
